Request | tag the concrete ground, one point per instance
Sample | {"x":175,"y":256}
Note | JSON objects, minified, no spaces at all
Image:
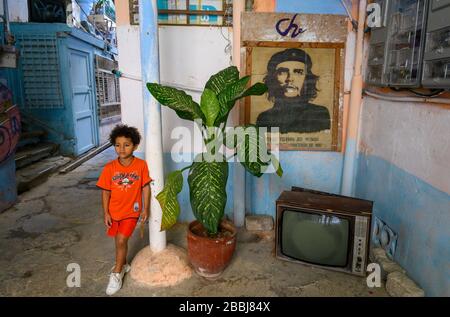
{"x":60,"y":222}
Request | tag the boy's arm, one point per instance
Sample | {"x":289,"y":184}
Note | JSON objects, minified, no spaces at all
{"x":146,"y":211}
{"x":106,"y":195}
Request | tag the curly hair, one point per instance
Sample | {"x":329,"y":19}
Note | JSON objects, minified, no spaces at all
{"x":125,"y":131}
{"x":309,"y":89}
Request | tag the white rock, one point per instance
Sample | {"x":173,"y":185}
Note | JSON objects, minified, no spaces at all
{"x":399,"y":285}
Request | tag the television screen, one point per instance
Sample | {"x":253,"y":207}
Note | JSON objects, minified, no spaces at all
{"x":315,"y":238}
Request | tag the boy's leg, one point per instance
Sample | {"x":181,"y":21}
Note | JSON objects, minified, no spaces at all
{"x":121,"y":252}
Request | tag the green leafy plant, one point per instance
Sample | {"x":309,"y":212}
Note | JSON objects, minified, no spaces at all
{"x":208,"y":174}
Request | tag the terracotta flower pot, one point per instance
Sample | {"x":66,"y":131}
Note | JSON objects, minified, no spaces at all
{"x":210,"y":256}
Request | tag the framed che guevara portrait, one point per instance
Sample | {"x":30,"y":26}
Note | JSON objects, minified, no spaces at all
{"x":302,"y":101}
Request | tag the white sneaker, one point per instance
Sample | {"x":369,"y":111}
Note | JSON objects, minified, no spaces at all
{"x":115,"y":280}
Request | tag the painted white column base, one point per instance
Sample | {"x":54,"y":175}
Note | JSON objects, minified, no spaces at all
{"x":160,"y":269}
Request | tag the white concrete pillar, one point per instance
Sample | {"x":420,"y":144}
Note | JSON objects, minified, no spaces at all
{"x":239,"y":170}
{"x":148,"y":19}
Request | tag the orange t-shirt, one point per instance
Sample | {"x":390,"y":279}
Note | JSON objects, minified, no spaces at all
{"x":125,"y":184}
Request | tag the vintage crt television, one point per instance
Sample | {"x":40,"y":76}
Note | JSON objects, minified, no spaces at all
{"x":324,"y":230}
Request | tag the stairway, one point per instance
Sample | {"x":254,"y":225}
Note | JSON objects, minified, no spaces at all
{"x":36,"y":158}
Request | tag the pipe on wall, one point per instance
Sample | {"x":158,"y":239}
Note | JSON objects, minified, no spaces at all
{"x":348,"y":171}
{"x":148,"y":27}
{"x":406,"y":99}
{"x":238,"y":171}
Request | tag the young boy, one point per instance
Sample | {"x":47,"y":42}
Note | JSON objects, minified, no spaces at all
{"x":124,"y":181}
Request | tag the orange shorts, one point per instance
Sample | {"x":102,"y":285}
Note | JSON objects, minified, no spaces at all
{"x":124,"y":227}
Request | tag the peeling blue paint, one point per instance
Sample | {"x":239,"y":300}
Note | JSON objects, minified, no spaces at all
{"x":8,"y":189}
{"x":315,"y":170}
{"x":418,"y":212}
{"x":349,"y":168}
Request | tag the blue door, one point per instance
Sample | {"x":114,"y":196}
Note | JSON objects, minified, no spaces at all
{"x":83,"y":99}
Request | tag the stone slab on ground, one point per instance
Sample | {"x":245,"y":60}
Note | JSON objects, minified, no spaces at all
{"x":399,"y":285}
{"x":387,"y":266}
{"x":259,"y":223}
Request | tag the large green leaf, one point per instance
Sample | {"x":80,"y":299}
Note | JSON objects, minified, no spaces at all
{"x":177,"y":100}
{"x":252,"y":150}
{"x":219,"y":81}
{"x":168,"y":199}
{"x":256,"y":90}
{"x":209,"y":106}
{"x":207,"y":182}
{"x":228,"y":95}
{"x":235,"y":91}
{"x":276,"y":164}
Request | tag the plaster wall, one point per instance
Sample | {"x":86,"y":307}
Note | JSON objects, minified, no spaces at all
{"x":315,"y":170}
{"x":403,"y":166}
{"x":312,"y":6}
{"x":129,"y":60}
{"x":188,"y":57}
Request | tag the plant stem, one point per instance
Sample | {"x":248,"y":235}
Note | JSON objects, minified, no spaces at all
{"x":185,"y":168}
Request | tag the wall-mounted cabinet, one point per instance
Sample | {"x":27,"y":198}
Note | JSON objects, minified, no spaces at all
{"x":436,"y":61}
{"x":406,"y":37}
{"x":396,"y":48}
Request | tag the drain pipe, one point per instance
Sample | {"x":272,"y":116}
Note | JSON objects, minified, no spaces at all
{"x":348,"y":172}
{"x":238,"y":171}
{"x":148,"y":26}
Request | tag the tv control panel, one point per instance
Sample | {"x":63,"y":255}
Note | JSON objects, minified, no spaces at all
{"x":359,"y":246}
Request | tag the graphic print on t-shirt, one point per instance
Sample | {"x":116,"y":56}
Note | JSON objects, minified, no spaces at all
{"x":125,"y":180}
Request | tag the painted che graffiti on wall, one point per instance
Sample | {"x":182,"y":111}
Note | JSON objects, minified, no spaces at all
{"x":9,"y":124}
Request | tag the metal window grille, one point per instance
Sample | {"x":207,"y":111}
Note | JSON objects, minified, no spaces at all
{"x":107,"y":86}
{"x":39,"y":63}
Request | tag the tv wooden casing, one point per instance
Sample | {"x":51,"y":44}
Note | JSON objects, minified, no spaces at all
{"x":327,"y":204}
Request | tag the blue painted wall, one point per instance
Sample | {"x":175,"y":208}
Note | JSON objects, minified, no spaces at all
{"x":311,"y":6}
{"x":418,"y":212}
{"x":8,"y":189}
{"x":315,"y":170}
{"x":61,"y":120}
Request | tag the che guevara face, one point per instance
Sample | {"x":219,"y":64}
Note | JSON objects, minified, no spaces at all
{"x":291,"y":76}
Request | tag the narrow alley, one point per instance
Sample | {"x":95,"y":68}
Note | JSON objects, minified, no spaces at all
{"x":60,"y":222}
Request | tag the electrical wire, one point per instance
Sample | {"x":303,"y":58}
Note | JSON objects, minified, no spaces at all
{"x":228,"y":48}
{"x":406,"y":98}
{"x":433,"y":92}
{"x":436,"y":93}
